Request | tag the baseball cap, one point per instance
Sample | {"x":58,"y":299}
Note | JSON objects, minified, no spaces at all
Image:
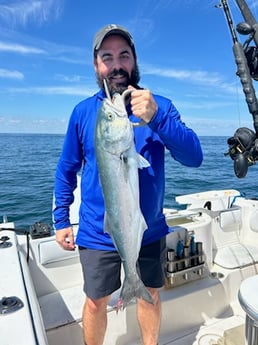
{"x":112,"y":29}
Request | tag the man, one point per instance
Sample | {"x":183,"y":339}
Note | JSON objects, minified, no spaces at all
{"x":115,"y":60}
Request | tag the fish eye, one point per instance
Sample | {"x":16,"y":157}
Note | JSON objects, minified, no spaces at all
{"x":109,"y":116}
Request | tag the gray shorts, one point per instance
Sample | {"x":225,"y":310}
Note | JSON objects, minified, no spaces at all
{"x":101,"y":269}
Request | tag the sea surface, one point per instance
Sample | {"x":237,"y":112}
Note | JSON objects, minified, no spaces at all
{"x":28,"y":163}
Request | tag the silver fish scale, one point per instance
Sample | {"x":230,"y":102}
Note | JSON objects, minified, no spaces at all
{"x":118,"y":165}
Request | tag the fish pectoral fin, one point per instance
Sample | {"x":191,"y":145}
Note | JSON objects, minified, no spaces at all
{"x":142,"y":162}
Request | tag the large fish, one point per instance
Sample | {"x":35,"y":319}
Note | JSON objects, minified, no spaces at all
{"x":118,"y":164}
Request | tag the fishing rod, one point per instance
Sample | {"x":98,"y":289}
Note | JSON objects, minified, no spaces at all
{"x":247,"y":14}
{"x":243,"y":146}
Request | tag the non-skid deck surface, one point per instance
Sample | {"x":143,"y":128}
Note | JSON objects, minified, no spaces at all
{"x":229,"y":331}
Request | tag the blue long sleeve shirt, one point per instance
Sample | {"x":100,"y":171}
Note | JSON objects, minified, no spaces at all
{"x":166,"y":130}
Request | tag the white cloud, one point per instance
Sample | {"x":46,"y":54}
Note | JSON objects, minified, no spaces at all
{"x":69,"y":78}
{"x":20,"y":12}
{"x":8,"y":74}
{"x":20,"y":49}
{"x":28,"y":125}
{"x":215,"y":126}
{"x":201,"y":77}
{"x":54,"y":90}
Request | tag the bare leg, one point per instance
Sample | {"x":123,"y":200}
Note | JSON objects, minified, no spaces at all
{"x":149,"y":317}
{"x":95,"y":320}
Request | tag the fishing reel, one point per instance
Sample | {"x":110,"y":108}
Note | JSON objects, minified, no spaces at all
{"x":243,"y":146}
{"x":243,"y":150}
{"x":251,"y":52}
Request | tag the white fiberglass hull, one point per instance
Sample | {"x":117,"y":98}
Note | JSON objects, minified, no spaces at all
{"x":199,"y":301}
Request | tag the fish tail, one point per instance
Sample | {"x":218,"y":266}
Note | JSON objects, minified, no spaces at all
{"x":130,"y":291}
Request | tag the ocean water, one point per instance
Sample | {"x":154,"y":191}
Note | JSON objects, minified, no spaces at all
{"x":28,"y":163}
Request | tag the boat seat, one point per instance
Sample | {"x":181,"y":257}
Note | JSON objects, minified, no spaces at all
{"x":50,"y":252}
{"x":248,"y":300}
{"x":236,"y":255}
{"x":253,"y":223}
{"x":232,"y":250}
{"x":68,"y":304}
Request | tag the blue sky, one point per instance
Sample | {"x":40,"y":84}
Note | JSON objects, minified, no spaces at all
{"x":184,"y":53}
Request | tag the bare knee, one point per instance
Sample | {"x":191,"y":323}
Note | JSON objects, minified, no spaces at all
{"x":96,"y":305}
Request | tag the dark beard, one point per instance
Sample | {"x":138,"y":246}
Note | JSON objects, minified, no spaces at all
{"x":121,"y":87}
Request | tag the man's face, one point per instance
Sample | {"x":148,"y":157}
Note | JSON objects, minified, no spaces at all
{"x":115,"y":62}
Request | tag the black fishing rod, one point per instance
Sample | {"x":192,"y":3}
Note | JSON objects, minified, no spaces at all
{"x":246,"y":13}
{"x":243,"y":146}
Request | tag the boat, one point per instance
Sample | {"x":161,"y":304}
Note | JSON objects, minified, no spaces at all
{"x":209,"y":296}
{"x":42,"y":287}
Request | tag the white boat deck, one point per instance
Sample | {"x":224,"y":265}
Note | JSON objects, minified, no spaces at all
{"x":199,"y":305}
{"x":187,"y":315}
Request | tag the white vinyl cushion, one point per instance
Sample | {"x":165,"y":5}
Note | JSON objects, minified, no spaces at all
{"x":254,"y":221}
{"x":50,"y":252}
{"x":236,"y":255}
{"x":248,"y":296}
{"x":230,"y":219}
